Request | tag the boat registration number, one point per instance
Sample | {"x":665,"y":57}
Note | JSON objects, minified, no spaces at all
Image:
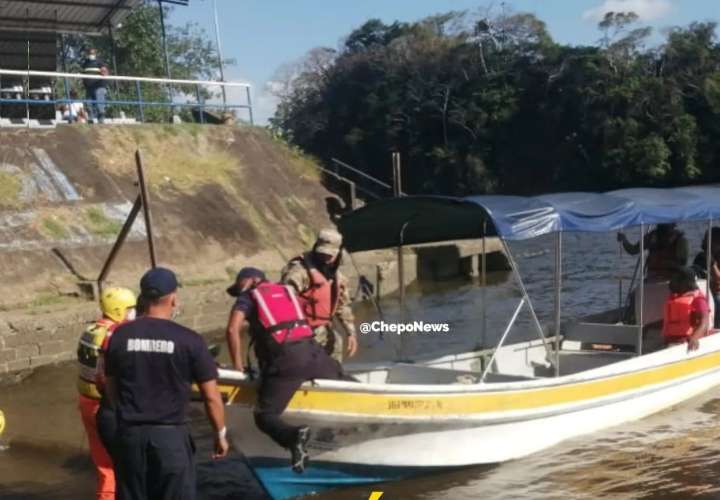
{"x":414,"y":404}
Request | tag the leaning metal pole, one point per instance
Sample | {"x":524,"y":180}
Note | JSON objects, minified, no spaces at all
{"x":641,"y":298}
{"x":146,"y":207}
{"x":558,"y":297}
{"x":526,"y":296}
{"x":502,"y":339}
{"x":119,"y":242}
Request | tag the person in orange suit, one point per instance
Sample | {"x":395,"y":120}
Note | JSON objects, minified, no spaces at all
{"x":118,"y":306}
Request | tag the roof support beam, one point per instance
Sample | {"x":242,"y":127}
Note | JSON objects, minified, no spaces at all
{"x":67,"y":3}
{"x":49,"y":22}
{"x":106,"y":20}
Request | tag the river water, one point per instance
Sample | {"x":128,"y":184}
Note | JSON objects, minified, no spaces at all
{"x":671,"y":455}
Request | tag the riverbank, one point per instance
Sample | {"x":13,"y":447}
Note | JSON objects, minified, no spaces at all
{"x":221,"y":198}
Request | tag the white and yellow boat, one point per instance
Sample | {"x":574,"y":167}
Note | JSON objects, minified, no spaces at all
{"x":490,"y":406}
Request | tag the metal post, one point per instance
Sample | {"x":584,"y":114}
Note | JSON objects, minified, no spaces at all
{"x":138,"y":90}
{"x":558,"y":299}
{"x":146,"y":207}
{"x":167,"y":56}
{"x":249,"y":100}
{"x":66,"y":84}
{"x":642,"y":290}
{"x":119,"y":241}
{"x":620,"y":282}
{"x":113,"y":56}
{"x":483,"y":283}
{"x":201,"y":104}
{"x":27,"y":88}
{"x":220,"y":56}
{"x":709,"y":260}
{"x":397,"y":188}
{"x":353,"y":196}
{"x":164,"y":39}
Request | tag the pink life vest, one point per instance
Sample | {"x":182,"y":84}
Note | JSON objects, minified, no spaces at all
{"x":280,"y":313}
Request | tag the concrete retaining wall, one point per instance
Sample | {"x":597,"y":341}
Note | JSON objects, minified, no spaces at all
{"x":28,"y":341}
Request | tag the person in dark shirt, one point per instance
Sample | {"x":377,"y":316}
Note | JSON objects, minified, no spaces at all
{"x":95,"y":88}
{"x":150,"y":366}
{"x":667,"y":251}
{"x":284,"y":366}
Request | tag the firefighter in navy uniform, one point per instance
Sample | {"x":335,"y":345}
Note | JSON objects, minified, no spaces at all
{"x":117,"y":305}
{"x":150,"y":365}
{"x":286,"y":351}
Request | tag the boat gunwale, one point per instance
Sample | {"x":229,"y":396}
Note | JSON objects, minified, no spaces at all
{"x":539,"y":384}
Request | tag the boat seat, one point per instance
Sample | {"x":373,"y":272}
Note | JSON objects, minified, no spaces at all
{"x":408,"y":373}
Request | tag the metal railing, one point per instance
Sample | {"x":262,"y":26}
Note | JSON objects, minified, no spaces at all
{"x":24,"y":93}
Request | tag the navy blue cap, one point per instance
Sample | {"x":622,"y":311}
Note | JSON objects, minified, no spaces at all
{"x":158,"y":282}
{"x":245,"y":272}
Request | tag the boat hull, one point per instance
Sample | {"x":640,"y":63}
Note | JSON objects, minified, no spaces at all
{"x":521,"y":419}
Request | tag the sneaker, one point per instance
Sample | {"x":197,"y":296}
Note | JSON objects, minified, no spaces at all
{"x":299,"y":453}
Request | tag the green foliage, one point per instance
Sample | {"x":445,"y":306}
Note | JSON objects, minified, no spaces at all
{"x":54,"y":228}
{"x":10,"y":189}
{"x":139,"y":52}
{"x":100,"y":224}
{"x":493,"y":104}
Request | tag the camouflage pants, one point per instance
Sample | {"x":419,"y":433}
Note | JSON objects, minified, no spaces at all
{"x":331,"y":341}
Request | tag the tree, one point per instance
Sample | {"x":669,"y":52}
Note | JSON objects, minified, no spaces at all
{"x":139,"y":52}
{"x":490,"y":103}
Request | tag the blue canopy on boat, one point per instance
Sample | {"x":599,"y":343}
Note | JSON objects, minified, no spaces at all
{"x":422,"y":219}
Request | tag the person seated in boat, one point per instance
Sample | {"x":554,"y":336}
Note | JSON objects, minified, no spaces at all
{"x":286,"y":351}
{"x":667,"y":250}
{"x":686,"y":315}
{"x":700,"y":268}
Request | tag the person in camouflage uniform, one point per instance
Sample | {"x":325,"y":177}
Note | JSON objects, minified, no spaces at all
{"x":324,"y":293}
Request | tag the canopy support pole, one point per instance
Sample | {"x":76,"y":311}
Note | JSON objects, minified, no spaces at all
{"x":708,"y":263}
{"x":620,"y":283}
{"x":502,"y":340}
{"x":401,"y":277}
{"x":526,"y":297}
{"x":641,"y":298}
{"x":558,"y":297}
{"x":483,"y":283}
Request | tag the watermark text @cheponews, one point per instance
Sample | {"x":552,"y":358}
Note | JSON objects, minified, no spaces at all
{"x":400,"y":328}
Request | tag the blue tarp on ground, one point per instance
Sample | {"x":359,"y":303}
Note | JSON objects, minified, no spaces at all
{"x":441,"y":218}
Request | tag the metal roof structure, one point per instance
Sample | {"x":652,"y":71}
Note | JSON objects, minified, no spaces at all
{"x":36,"y":51}
{"x":69,"y":16}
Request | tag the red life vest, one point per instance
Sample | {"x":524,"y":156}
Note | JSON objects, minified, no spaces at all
{"x":280,"y":313}
{"x":320,"y":299}
{"x":677,"y":323}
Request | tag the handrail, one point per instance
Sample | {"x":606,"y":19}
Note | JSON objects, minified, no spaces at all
{"x":54,"y":74}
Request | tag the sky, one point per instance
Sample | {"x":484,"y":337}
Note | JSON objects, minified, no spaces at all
{"x":262,"y":35}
